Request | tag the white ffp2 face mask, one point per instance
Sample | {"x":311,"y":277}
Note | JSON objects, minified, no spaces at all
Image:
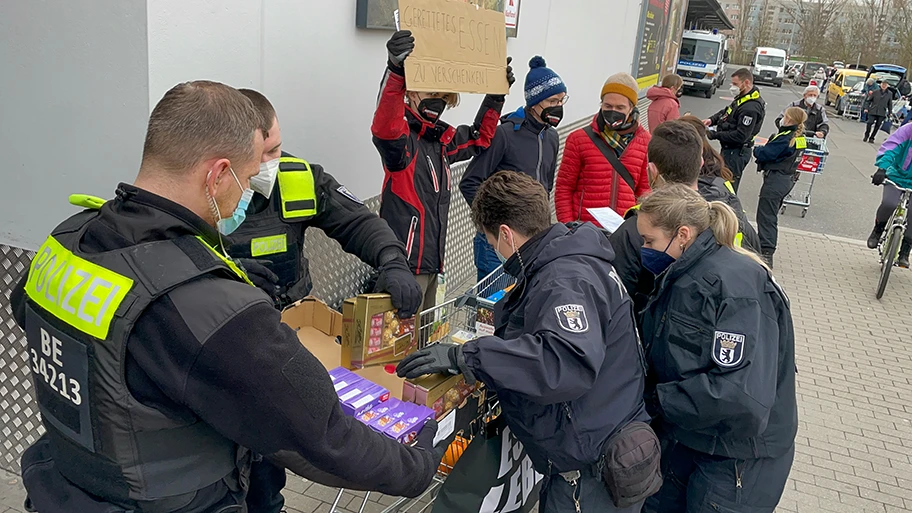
{"x":811,"y":100}
{"x":735,"y":91}
{"x":264,"y":181}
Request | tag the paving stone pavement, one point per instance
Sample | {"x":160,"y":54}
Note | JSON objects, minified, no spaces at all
{"x":854,"y":446}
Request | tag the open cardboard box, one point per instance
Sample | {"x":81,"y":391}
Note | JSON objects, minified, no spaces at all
{"x":318,"y":326}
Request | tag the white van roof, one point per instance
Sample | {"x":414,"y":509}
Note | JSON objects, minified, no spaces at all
{"x":765,"y":50}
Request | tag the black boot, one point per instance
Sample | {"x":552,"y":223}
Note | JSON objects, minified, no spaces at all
{"x":874,"y":238}
{"x":903,"y":260}
{"x":768,"y":258}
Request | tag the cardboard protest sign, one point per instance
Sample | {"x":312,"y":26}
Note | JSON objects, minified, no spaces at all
{"x":458,"y":48}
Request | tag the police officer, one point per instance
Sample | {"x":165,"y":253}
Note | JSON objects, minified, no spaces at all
{"x":675,"y":157}
{"x":565,"y":359}
{"x":721,"y":350}
{"x":736,"y":125}
{"x":290,"y":195}
{"x":157,"y":366}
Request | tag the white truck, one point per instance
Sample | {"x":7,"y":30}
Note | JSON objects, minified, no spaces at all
{"x":769,"y":65}
{"x":701,"y":63}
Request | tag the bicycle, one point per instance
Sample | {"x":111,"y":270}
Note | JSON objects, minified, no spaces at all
{"x":892,"y":237}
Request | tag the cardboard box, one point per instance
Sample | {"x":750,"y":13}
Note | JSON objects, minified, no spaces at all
{"x":440,"y":392}
{"x":318,"y":328}
{"x":372,"y":333}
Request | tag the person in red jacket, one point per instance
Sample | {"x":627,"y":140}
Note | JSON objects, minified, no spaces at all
{"x":416,"y":149}
{"x":604,"y":164}
{"x":665,"y":105}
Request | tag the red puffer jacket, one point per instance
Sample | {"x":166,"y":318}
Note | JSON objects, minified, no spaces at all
{"x":585,"y":177}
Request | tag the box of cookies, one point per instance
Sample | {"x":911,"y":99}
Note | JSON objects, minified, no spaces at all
{"x":372,"y":333}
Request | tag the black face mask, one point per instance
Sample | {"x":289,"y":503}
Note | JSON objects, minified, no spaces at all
{"x":552,"y":116}
{"x":432,"y":108}
{"x":614,"y":120}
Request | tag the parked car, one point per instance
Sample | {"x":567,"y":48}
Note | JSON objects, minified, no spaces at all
{"x":794,"y":70}
{"x":845,"y":80}
{"x":839,"y":65}
{"x":808,"y":72}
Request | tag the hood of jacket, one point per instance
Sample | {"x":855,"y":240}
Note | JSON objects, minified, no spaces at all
{"x":558,"y":241}
{"x":520,"y":119}
{"x":658,"y":92}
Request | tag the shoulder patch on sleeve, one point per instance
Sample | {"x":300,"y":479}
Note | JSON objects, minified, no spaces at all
{"x":572,"y":318}
{"x":348,"y":194}
{"x":728,"y":348}
{"x":747,"y":120}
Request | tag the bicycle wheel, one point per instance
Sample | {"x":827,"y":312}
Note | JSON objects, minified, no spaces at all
{"x":891,"y":249}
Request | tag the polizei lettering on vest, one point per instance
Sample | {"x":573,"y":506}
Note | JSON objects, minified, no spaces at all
{"x":78,"y":292}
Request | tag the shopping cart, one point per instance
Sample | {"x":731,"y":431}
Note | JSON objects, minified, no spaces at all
{"x":810,"y":164}
{"x":467,"y":316}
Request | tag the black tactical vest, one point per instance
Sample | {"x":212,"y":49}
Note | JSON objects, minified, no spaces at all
{"x":275,"y":234}
{"x":80,"y":311}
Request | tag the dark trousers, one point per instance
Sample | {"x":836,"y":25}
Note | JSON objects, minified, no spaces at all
{"x":776,"y":186}
{"x":560,"y":496}
{"x":698,"y":483}
{"x":485,"y":258}
{"x":876,"y":122}
{"x":266,"y":484}
{"x":888,"y":203}
{"x":736,"y":159}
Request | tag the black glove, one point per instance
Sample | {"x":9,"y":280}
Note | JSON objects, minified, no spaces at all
{"x":510,"y":78}
{"x":425,"y":441}
{"x":260,"y":275}
{"x":398,"y":281}
{"x":440,"y":358}
{"x":879,"y":176}
{"x":400,"y":46}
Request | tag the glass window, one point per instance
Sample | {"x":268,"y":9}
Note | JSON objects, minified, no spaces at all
{"x":696,"y":50}
{"x":851,"y":80}
{"x":769,"y":60}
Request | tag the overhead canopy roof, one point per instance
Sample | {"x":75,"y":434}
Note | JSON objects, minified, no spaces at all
{"x":707,"y":14}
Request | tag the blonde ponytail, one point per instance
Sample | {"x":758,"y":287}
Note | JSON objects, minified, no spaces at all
{"x":798,"y":117}
{"x":677,"y":205}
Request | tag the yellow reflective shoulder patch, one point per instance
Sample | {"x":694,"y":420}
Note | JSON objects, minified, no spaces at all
{"x":231,"y":265}
{"x":801,"y":143}
{"x":86,"y":201}
{"x":297,"y":189}
{"x":271,"y":245}
{"x":76,"y":291}
{"x":739,"y":239}
{"x":730,"y":187}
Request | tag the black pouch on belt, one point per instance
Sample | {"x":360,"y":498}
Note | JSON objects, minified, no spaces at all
{"x":632,"y":464}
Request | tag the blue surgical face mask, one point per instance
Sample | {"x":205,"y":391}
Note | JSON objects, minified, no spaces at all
{"x":656,"y":261}
{"x":228,"y":225}
{"x":500,"y":257}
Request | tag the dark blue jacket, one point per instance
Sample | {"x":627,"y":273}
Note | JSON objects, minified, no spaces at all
{"x":565,"y":362}
{"x":778,"y":154}
{"x":721,"y":349}
{"x":520,"y":144}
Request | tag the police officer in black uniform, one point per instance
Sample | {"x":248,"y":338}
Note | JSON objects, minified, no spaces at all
{"x":721,"y":350}
{"x":290,"y":195}
{"x":736,"y":125}
{"x":564,"y":360}
{"x":158,"y":368}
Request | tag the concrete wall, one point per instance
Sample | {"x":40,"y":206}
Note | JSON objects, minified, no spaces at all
{"x":84,"y":79}
{"x":73,"y":81}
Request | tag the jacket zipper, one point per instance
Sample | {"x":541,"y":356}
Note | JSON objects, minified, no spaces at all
{"x":433,"y":172}
{"x":579,"y":215}
{"x":411,"y":238}
{"x":538,"y":175}
{"x":440,"y":234}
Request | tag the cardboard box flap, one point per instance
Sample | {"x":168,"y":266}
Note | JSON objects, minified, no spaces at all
{"x":311,"y":312}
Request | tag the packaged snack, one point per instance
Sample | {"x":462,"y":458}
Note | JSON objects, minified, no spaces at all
{"x":381,"y":423}
{"x":484,"y":320}
{"x":370,"y":397}
{"x":353,"y":390}
{"x":343,"y":378}
{"x":463,"y":336}
{"x":379,"y":410}
{"x":372,"y":334}
{"x":407,"y":427}
{"x":441,"y":392}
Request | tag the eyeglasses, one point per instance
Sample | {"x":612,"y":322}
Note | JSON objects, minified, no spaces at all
{"x":556,"y":101}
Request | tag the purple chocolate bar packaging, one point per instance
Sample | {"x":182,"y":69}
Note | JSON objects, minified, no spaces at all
{"x":371,"y":395}
{"x":377,"y":411}
{"x":406,"y":428}
{"x":384,"y":421}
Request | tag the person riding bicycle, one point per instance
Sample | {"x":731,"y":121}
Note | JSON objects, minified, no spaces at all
{"x":894,"y":162}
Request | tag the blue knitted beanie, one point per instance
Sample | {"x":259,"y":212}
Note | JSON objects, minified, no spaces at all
{"x":541,"y":82}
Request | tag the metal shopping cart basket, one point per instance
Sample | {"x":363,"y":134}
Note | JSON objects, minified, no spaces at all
{"x":467,"y":316}
{"x":810,"y":165}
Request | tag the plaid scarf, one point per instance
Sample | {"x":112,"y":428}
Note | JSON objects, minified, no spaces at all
{"x":616,"y":140}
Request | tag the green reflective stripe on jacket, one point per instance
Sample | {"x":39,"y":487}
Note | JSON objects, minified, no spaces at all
{"x":731,"y":188}
{"x":296,"y":188}
{"x":76,"y":291}
{"x":739,"y":238}
{"x":231,"y":265}
{"x":753,"y":96}
{"x":86,"y":201}
{"x":632,"y":210}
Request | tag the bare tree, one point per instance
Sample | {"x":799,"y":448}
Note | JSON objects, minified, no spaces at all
{"x":815,"y":18}
{"x":742,"y":29}
{"x":876,"y":22}
{"x":902,"y":29}
{"x":763,"y":31}
{"x":845,"y":39}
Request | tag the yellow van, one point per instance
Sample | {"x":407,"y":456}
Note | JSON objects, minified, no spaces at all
{"x":842,"y":84}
